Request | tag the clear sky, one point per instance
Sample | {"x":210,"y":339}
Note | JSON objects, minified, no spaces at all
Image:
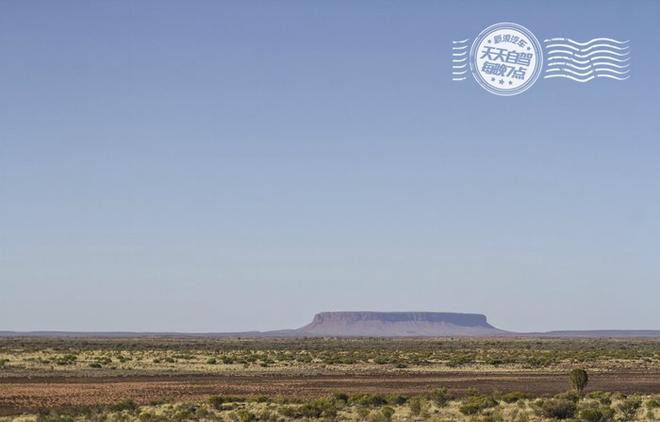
{"x":221,"y":166}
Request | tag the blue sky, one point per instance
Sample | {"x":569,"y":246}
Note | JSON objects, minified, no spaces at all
{"x":220,"y":166}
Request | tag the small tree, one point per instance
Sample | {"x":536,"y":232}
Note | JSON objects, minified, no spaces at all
{"x":579,"y":380}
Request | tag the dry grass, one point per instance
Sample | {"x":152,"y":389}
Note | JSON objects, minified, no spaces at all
{"x":83,"y":377}
{"x":333,"y":408}
{"x":198,"y":355}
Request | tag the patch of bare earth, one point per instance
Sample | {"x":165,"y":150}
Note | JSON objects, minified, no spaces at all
{"x":21,"y":395}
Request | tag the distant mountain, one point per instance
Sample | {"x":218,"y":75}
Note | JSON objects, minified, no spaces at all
{"x":368,"y":324}
{"x":398,"y":324}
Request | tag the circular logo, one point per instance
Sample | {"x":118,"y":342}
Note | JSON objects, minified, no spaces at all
{"x":506,"y":59}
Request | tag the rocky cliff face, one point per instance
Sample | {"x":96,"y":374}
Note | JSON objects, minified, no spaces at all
{"x":398,"y":324}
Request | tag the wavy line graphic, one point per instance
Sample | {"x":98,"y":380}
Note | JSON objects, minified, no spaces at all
{"x":459,"y":60}
{"x":582,"y":44}
{"x":590,"y":72}
{"x":592,"y":77}
{"x":584,"y":56}
{"x":585,"y":61}
{"x":590,"y":66}
{"x":593,"y":59}
{"x":613,"y":77}
{"x":572,"y":47}
{"x":561,"y":75}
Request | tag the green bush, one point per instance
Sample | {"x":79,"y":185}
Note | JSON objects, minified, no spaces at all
{"x":341,"y":397}
{"x":322,"y":407}
{"x":596,"y":414}
{"x":376,"y":416}
{"x":493,"y":417}
{"x":368,"y":400}
{"x":309,"y":410}
{"x":653,"y":404}
{"x":514,"y":396}
{"x":629,"y":408}
{"x":217,"y":402}
{"x":68,"y":359}
{"x":388,"y":412}
{"x":288,"y":411}
{"x":55,"y":418}
{"x":558,"y":408}
{"x":326,"y":407}
{"x":568,"y":395}
{"x":415,"y":405}
{"x":603,"y":397}
{"x":128,"y":405}
{"x":474,"y":404}
{"x":363,"y":412}
{"x":245,"y":416}
{"x":439,"y":396}
{"x":396,"y":399}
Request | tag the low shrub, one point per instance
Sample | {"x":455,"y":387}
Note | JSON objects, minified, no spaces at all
{"x":55,"y":418}
{"x":439,"y":396}
{"x":326,"y":407}
{"x":363,"y":412}
{"x":568,"y":395}
{"x":396,"y":399}
{"x":653,"y":404}
{"x":68,"y":359}
{"x":245,"y":416}
{"x":514,"y":396}
{"x":388,"y":412}
{"x":629,"y":408}
{"x":368,"y":400}
{"x":492,"y":417}
{"x":596,"y":414}
{"x":341,"y":397}
{"x":217,"y":402}
{"x":558,"y":408}
{"x":415,"y":405}
{"x":288,"y":411}
{"x":474,"y":404}
{"x":128,"y":405}
{"x":602,"y":397}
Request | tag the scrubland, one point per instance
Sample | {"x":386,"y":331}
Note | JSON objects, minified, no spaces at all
{"x":206,"y":355}
{"x":360,"y":379}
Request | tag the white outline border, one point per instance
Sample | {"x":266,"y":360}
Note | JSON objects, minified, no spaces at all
{"x":537,"y":72}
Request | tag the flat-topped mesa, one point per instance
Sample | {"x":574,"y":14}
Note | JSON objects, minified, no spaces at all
{"x":398,"y":324}
{"x":466,"y":320}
